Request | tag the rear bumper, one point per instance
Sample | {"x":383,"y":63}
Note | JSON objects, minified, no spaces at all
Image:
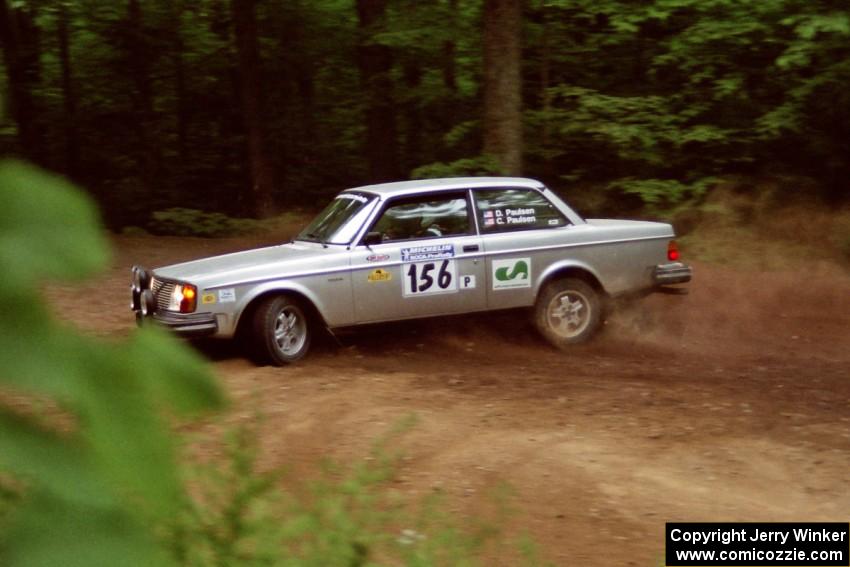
{"x":672,"y":273}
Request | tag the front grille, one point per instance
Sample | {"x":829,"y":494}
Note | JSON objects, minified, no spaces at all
{"x":162,"y":291}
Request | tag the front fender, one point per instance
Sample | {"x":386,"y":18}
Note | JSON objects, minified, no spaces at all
{"x":279,"y":286}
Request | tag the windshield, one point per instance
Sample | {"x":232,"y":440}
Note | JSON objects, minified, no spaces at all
{"x":339,"y":222}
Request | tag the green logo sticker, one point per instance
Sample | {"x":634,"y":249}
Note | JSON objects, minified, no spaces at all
{"x":520,"y":270}
{"x":512,"y":273}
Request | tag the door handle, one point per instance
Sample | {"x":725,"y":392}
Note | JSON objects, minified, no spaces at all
{"x":470,"y":248}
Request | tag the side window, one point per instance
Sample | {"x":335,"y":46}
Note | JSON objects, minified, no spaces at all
{"x":424,"y":217}
{"x":504,"y":210}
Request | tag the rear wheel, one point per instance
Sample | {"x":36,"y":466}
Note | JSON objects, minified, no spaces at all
{"x":281,"y":330}
{"x":568,"y":311}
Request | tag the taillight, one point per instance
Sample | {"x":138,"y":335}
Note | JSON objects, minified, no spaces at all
{"x":672,"y":251}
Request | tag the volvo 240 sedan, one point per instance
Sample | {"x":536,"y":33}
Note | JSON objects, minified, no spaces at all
{"x":416,"y":249}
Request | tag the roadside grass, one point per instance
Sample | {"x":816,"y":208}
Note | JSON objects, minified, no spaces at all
{"x":754,"y":231}
{"x":347,"y":515}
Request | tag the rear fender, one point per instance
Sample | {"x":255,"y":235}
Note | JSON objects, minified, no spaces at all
{"x":570,"y":268}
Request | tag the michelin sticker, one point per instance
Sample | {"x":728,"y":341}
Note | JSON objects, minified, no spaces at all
{"x":227,"y":295}
{"x":512,"y":274}
{"x":433,"y":252}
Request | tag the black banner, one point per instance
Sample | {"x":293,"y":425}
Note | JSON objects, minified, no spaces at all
{"x":809,"y":544}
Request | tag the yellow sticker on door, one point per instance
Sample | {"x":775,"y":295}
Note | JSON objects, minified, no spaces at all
{"x":380,"y":275}
{"x":208,"y":298}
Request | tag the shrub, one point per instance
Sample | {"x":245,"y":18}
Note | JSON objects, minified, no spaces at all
{"x":89,"y":472}
{"x":96,"y":463}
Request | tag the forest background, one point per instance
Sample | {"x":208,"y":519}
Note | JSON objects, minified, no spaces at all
{"x":252,"y":108}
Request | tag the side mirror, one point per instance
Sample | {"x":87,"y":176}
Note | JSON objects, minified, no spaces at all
{"x":373,"y":238}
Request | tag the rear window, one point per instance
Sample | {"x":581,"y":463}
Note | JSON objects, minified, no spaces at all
{"x":505,"y":210}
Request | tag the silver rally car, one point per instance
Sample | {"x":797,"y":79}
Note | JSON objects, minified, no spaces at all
{"x":416,"y":249}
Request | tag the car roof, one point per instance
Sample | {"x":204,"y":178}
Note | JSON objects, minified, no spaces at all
{"x":403,"y":188}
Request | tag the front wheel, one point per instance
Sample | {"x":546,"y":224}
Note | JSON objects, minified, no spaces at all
{"x":567,"y":312}
{"x":281,"y":330}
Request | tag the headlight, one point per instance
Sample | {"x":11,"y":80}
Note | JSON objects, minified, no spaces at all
{"x":183,"y":298}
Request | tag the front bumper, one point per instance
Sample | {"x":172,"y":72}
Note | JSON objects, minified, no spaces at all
{"x":672,"y":273}
{"x":144,"y":305}
{"x":188,"y":325}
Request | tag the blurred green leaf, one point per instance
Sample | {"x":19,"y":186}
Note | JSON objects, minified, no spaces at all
{"x":48,"y":228}
{"x":98,"y":462}
{"x":49,"y":532}
{"x":59,"y":464}
{"x":180,"y":379}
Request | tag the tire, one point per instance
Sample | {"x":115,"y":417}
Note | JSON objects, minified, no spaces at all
{"x":567,"y":312}
{"x":281,"y":331}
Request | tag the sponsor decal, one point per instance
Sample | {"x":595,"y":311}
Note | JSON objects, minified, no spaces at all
{"x":377,"y":257}
{"x":512,"y":273}
{"x":520,"y":216}
{"x":508,"y":216}
{"x":227,"y":295}
{"x":433,"y":252}
{"x":427,"y":278}
{"x":208,"y":298}
{"x":380,"y":275}
{"x":554,"y":222}
{"x":467,"y":282}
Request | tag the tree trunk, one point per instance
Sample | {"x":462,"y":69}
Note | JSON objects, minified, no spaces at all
{"x":502,"y":84}
{"x":69,"y":97}
{"x":247,"y":48}
{"x":182,"y":102}
{"x":375,"y":63}
{"x":449,"y":48}
{"x":412,"y":73}
{"x":545,"y":78}
{"x":21,"y":50}
{"x":147,"y":152}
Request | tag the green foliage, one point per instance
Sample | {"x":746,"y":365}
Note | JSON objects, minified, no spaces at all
{"x":613,"y":91}
{"x":35,"y":233}
{"x":97,"y":464}
{"x":663,"y":194}
{"x":192,"y":222}
{"x":481,"y":165}
{"x":345,"y":515}
{"x":685,"y":89}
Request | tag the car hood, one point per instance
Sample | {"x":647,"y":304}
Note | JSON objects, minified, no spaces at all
{"x":249,"y":265}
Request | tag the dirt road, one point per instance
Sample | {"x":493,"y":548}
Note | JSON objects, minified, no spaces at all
{"x":731,"y":403}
